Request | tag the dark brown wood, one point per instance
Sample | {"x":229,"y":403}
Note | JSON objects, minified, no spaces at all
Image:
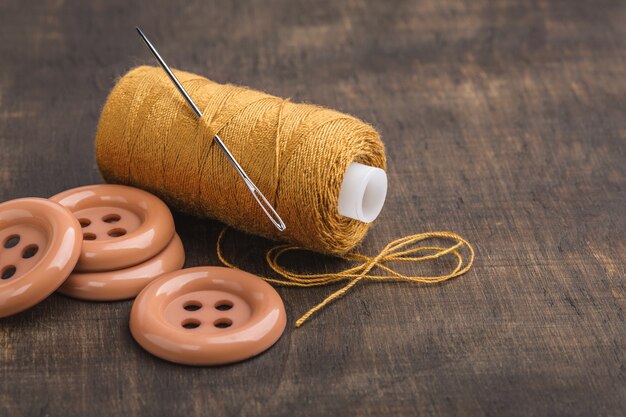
{"x":505,"y":121}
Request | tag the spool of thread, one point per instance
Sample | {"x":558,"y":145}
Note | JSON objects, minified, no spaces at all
{"x":316,"y":166}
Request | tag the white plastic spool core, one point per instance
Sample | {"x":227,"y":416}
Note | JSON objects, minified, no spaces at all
{"x":363,"y":192}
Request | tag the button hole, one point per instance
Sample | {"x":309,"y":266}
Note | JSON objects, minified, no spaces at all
{"x":224,"y":305}
{"x":117,"y":232}
{"x":11,"y":241}
{"x":111,"y":218}
{"x":223,"y":323}
{"x":191,"y":324}
{"x":84,"y":222}
{"x":8,"y":272}
{"x":192,"y":306}
{"x":89,"y":236}
{"x":30,"y":251}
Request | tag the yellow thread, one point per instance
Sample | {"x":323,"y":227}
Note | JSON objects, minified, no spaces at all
{"x":296,"y":154}
{"x":397,"y":251}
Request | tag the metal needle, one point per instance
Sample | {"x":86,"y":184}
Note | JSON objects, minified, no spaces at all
{"x":256,"y":193}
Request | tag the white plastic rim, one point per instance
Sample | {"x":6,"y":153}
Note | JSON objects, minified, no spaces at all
{"x":363,"y":192}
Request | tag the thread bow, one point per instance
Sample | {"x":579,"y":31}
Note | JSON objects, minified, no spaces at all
{"x":399,"y":250}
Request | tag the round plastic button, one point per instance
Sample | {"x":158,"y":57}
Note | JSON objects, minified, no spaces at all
{"x":125,"y":283}
{"x":122,"y":226}
{"x":207,"y":316}
{"x":40,"y":244}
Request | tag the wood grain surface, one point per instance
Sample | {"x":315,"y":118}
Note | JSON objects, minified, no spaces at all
{"x":504,"y":121}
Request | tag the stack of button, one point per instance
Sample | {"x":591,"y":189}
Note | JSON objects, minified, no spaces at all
{"x":129,"y":239}
{"x":112,"y":242}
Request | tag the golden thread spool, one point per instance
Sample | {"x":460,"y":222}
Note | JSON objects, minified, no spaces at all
{"x":296,"y":153}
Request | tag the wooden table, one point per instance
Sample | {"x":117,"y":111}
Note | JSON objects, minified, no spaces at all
{"x":504,"y":121}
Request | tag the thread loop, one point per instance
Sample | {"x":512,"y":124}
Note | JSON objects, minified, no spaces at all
{"x":399,"y":250}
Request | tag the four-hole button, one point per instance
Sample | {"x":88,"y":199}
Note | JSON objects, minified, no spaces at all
{"x":207,"y":316}
{"x":121,"y":226}
{"x":40,"y":244}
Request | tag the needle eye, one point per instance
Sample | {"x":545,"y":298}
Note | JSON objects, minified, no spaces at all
{"x":269,"y":211}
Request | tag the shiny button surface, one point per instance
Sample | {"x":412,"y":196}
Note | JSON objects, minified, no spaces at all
{"x":207,"y":316}
{"x":122,"y":284}
{"x":122,"y":226}
{"x":40,"y":243}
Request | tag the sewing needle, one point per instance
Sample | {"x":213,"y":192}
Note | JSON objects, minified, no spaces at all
{"x":256,"y":193}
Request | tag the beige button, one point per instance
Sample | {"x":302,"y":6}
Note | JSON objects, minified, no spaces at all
{"x":122,"y":226}
{"x":40,"y":245}
{"x":124,"y":283}
{"x":207,"y":316}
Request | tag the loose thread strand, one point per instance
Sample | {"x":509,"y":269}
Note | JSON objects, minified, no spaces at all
{"x":398,"y":250}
